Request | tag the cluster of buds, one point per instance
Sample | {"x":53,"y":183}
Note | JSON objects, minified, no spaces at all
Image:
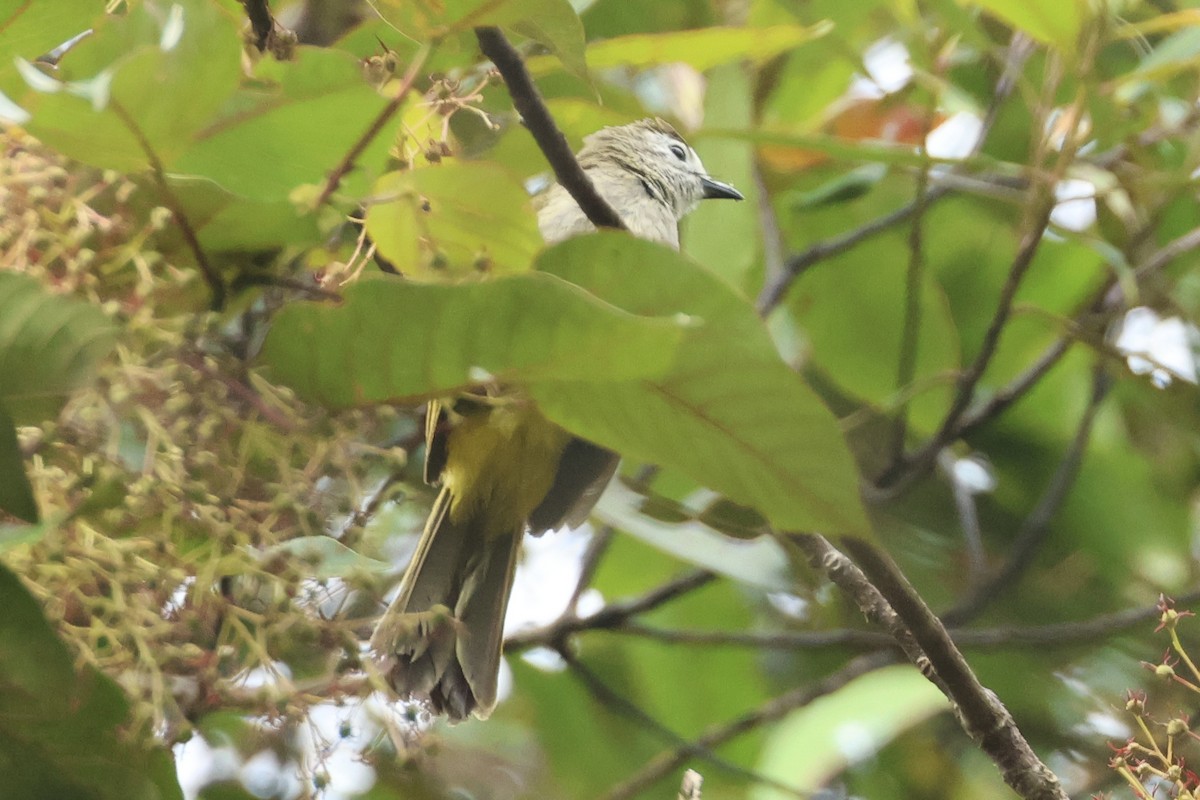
{"x":1147,"y":764}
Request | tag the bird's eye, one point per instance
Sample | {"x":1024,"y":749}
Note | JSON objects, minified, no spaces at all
{"x":679,"y":152}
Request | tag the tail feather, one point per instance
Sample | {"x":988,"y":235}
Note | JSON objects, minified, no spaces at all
{"x":441,"y":637}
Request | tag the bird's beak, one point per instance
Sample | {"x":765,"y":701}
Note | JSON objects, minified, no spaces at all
{"x":715,"y":190}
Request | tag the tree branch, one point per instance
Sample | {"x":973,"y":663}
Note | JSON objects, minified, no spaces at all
{"x":1019,"y":49}
{"x":259,"y":14}
{"x":215,"y":285}
{"x":549,"y":138}
{"x":980,"y":712}
{"x":1037,"y":525}
{"x":611,"y":616}
{"x":348,"y":161}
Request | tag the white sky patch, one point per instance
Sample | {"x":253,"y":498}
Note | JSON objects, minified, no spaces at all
{"x":198,"y":763}
{"x":790,"y":605}
{"x":546,"y":577}
{"x":263,"y":775}
{"x":974,"y":475}
{"x":956,"y":137}
{"x":172,"y":30}
{"x":888,"y":63}
{"x":1076,"y":204}
{"x":545,"y":659}
{"x":1160,"y":348}
{"x":855,"y":740}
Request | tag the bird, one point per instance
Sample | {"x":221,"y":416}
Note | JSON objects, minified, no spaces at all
{"x":503,"y":468}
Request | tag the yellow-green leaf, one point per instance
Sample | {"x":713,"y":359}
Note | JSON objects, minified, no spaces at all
{"x":729,"y":414}
{"x":1054,"y":22}
{"x":393,"y":340}
{"x":703,"y":48}
{"x":455,"y":218}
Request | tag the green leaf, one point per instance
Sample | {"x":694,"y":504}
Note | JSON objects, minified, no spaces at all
{"x":29,"y":30}
{"x":759,"y":562}
{"x":552,"y":23}
{"x":868,"y":282}
{"x":703,"y":49}
{"x":724,"y":236}
{"x":1054,"y":22}
{"x":49,"y":346}
{"x":729,"y":414}
{"x":16,"y":494}
{"x":267,"y":142}
{"x":149,"y":79}
{"x":820,"y":740}
{"x":458,"y":218}
{"x":393,"y":340}
{"x":63,"y":732}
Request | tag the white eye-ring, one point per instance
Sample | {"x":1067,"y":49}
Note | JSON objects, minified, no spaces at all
{"x":678,"y":151}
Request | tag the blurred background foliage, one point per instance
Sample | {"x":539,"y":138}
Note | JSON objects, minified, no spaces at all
{"x":209,"y":469}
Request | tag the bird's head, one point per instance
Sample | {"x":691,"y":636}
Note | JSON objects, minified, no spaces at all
{"x":654,"y":152}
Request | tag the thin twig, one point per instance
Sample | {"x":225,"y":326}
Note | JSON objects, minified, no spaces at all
{"x":616,"y":701}
{"x":777,"y":285}
{"x":1092,"y":319}
{"x":773,"y":293}
{"x":980,"y":712}
{"x":259,"y":14}
{"x":549,"y":138}
{"x":348,"y":161}
{"x":1036,"y":526}
{"x":596,"y":549}
{"x":215,"y":284}
{"x":910,"y":333}
{"x":611,"y":616}
{"x":776,"y":708}
{"x":908,"y":467}
{"x":1053,"y":635}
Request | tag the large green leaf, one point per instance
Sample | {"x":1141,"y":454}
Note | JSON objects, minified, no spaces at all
{"x":16,"y":495}
{"x":49,"y":346}
{"x":1055,"y":22}
{"x":291,"y":128}
{"x":395,"y":340}
{"x":149,"y":79}
{"x":62,"y":730}
{"x":729,"y":414}
{"x":818,"y":741}
{"x":552,"y":23}
{"x":458,"y":217}
{"x":29,"y":30}
{"x":703,"y":49}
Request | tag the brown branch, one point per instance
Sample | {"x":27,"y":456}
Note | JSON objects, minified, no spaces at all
{"x":1053,"y":635}
{"x":215,"y":284}
{"x":1092,"y":320}
{"x":549,"y":138}
{"x":980,"y":712}
{"x":908,"y":467}
{"x":347,"y":163}
{"x":259,"y":14}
